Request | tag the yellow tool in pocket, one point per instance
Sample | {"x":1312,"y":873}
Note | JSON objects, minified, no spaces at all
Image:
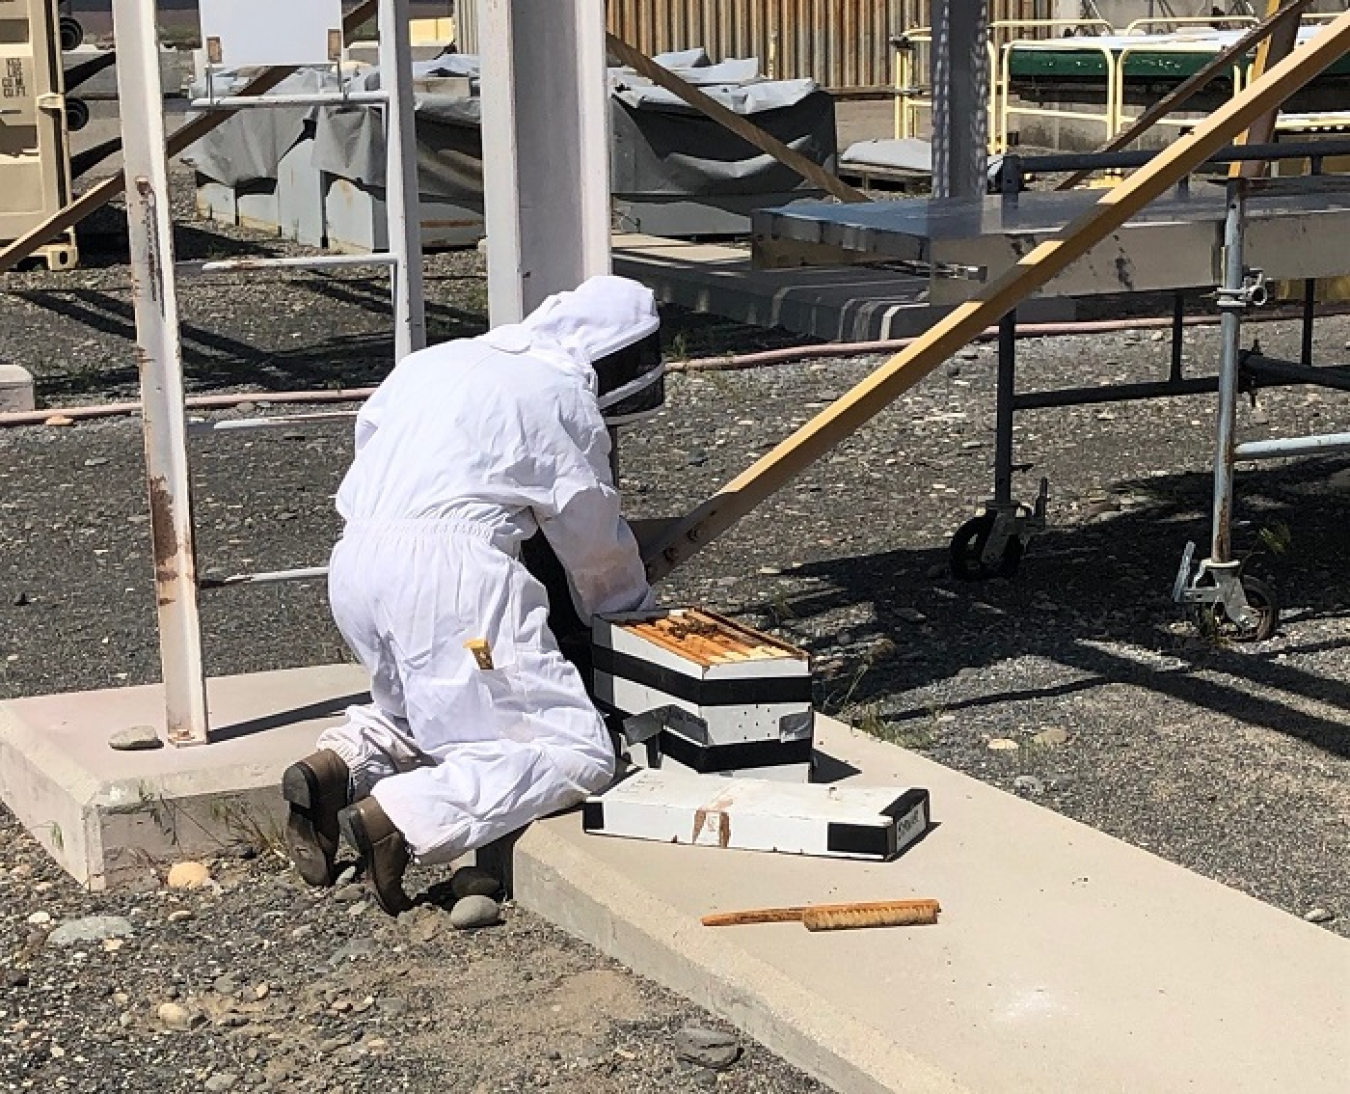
{"x":481,"y":650}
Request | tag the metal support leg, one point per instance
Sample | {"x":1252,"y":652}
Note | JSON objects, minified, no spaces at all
{"x":992,"y":544}
{"x":1218,"y":590}
{"x":1003,"y":413}
{"x":1178,"y":334}
{"x":159,"y":352}
{"x":1230,"y":333}
{"x":401,"y":198}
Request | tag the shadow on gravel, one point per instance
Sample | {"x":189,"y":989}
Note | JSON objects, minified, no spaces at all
{"x":211,"y":360}
{"x":1087,"y":594}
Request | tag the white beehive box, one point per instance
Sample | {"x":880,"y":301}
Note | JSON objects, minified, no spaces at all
{"x":870,"y":823}
{"x":719,"y":698}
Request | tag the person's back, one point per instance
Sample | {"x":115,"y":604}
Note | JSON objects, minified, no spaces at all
{"x":464,"y":431}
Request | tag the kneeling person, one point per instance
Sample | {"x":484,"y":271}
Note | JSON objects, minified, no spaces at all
{"x":478,"y":723}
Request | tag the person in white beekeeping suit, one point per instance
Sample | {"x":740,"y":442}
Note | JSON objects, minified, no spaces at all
{"x":478,"y":723}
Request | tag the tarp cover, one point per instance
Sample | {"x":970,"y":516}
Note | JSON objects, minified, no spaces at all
{"x":660,"y":145}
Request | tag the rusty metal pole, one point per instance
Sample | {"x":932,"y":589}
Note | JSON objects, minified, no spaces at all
{"x":159,"y":354}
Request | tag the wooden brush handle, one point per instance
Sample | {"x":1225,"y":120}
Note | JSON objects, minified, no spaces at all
{"x":924,"y":908}
{"x":843,"y":919}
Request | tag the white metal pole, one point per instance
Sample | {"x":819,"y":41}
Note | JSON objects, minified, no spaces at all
{"x":545,"y":148}
{"x":159,"y":353}
{"x":400,"y":179}
{"x":501,"y":166}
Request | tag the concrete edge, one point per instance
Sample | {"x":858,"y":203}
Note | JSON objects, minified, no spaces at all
{"x":590,"y":901}
{"x":58,"y":819}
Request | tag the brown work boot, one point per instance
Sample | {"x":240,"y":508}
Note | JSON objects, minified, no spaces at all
{"x":317,"y":789}
{"x":383,"y":850}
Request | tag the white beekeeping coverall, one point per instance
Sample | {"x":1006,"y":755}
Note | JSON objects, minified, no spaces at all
{"x":463,"y":452}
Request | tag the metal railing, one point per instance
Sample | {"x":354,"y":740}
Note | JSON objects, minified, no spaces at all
{"x":913,"y":96}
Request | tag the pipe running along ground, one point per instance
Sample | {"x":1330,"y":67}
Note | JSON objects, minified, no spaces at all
{"x":725,"y":363}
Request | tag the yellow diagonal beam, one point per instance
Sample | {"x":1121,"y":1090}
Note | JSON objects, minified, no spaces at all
{"x":1273,"y":50}
{"x":818,"y":436}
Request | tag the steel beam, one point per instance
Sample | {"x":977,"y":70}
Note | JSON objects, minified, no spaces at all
{"x":1276,"y":47}
{"x":545,"y":149}
{"x":159,"y":353}
{"x":818,"y":436}
{"x":959,"y":61}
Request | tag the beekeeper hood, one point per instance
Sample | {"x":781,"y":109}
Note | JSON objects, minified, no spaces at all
{"x":607,"y":333}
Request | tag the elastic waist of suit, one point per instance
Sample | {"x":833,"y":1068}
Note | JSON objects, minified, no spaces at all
{"x":433,"y":526}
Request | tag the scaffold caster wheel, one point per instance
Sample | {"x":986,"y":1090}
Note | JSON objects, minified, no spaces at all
{"x":967,"y":551}
{"x":1214,"y":620}
{"x":72,"y":34}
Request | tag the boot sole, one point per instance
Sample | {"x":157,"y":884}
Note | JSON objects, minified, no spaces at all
{"x":300,"y":787}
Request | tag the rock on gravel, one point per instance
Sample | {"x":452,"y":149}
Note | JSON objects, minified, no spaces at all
{"x":1319,"y":915}
{"x":91,"y":928}
{"x":475,"y":911}
{"x":473,"y":881}
{"x":188,"y":875}
{"x":706,"y":1047}
{"x":177,"y":1017}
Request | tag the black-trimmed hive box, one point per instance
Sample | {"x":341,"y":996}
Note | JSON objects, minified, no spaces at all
{"x":695,"y":691}
{"x":870,"y":823}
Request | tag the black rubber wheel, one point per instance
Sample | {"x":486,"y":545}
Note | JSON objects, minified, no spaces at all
{"x":77,"y":114}
{"x":968,"y":546}
{"x":72,"y":34}
{"x":1261,"y":599}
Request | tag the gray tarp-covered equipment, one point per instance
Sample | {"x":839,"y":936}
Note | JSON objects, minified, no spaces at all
{"x":660,"y":146}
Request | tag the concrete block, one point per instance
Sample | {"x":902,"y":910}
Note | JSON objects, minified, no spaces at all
{"x":356,"y":221}
{"x":116,"y":818}
{"x":16,"y":388}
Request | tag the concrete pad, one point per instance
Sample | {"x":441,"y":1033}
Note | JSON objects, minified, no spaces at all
{"x":1064,"y":960}
{"x":834,"y":303}
{"x":113,"y":818}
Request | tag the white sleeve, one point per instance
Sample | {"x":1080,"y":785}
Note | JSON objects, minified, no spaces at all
{"x":583,"y":525}
{"x":369,"y":417}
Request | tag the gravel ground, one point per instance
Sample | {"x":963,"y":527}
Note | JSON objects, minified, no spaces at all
{"x":1098,"y":699}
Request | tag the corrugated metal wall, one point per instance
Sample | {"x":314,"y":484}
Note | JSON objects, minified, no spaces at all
{"x":841,"y":44}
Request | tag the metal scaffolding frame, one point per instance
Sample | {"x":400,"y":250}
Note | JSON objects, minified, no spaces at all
{"x":154,"y":277}
{"x":548,"y":236}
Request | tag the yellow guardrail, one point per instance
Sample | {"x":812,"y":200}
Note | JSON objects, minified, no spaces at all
{"x":913,"y":95}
